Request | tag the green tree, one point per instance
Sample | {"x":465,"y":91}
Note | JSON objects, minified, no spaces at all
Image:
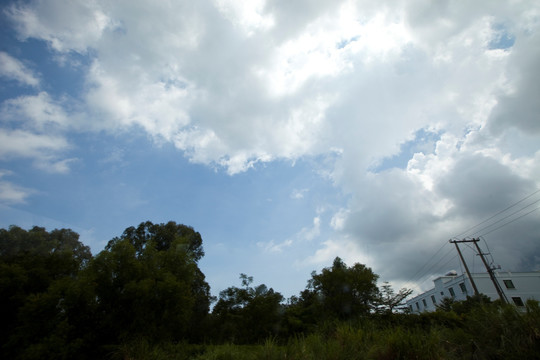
{"x":343,"y":292}
{"x":148,"y":284}
{"x":60,"y":323}
{"x":34,"y":266}
{"x":162,"y":236}
{"x":247,"y":314}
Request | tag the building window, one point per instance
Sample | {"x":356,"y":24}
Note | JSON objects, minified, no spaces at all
{"x":424,"y":302}
{"x":517,"y":300}
{"x":410,"y":307}
{"x":451,"y":291}
{"x":433,"y":300}
{"x":442,"y":293}
{"x":509,"y":284}
{"x":463,"y":288}
{"x":417,"y":306}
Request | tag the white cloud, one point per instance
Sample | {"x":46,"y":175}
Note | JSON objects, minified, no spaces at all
{"x":154,"y":104}
{"x":338,"y":220}
{"x":298,"y":193}
{"x":35,"y":128}
{"x":247,"y":14}
{"x":272,"y":247}
{"x":12,"y":68}
{"x":310,"y":233}
{"x":232,"y":85}
{"x":71,"y":26}
{"x":11,"y":193}
{"x":349,"y":251}
{"x":39,"y":110}
{"x":26,"y":144}
{"x":306,"y":234}
{"x":53,"y":165}
{"x":43,"y":149}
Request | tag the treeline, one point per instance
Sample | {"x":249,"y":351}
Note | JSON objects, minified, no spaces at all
{"x":144,"y":297}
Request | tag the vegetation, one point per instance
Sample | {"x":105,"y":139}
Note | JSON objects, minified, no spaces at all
{"x":144,"y":297}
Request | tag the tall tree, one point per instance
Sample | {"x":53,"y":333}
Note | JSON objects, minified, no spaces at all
{"x":36,"y":269}
{"x":148,"y":284}
{"x":162,"y":236}
{"x":247,"y":314}
{"x":344,"y":292}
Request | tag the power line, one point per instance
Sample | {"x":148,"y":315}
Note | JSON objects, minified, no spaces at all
{"x":474,"y":254}
{"x":435,"y":266}
{"x":506,"y":217}
{"x":511,"y":221}
{"x":423,"y":272}
{"x":487,"y":247}
{"x":446,"y":263}
{"x":439,"y":267}
{"x":426,"y":263}
{"x":498,"y":213}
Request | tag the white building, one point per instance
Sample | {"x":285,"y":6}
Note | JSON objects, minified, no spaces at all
{"x":518,"y":287}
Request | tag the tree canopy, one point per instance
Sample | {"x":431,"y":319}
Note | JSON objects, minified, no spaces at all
{"x":59,"y":299}
{"x":338,"y":292}
{"x":341,"y":291}
{"x":145,"y":290}
{"x":36,"y":270}
{"x":151,"y":273}
{"x":247,"y":314}
{"x":146,"y":284}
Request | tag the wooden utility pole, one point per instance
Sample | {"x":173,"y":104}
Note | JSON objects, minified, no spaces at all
{"x":455,"y":242}
{"x":490,"y":272}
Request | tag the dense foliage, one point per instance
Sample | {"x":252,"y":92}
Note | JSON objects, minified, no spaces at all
{"x":60,"y":302}
{"x":247,"y":314}
{"x":144,"y":297}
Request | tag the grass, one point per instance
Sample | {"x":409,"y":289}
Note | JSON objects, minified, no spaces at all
{"x":490,"y":332}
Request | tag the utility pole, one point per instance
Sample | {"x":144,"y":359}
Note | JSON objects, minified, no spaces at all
{"x":488,"y":268}
{"x":490,"y":272}
{"x":455,"y":242}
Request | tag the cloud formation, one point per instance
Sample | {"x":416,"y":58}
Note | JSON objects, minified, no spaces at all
{"x":11,"y":193}
{"x":13,"y":69}
{"x":235,"y":84}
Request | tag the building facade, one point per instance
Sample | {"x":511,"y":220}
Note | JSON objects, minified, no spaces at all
{"x":518,"y":287}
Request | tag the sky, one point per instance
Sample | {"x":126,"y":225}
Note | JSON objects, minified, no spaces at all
{"x":286,"y":132}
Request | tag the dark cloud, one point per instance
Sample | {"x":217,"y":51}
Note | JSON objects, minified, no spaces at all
{"x":391,"y":208}
{"x":479,"y":186}
{"x":520,"y":107}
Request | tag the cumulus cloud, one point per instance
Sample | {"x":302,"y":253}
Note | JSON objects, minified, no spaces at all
{"x":14,"y":69}
{"x":348,"y":250}
{"x":34,"y":127}
{"x":11,"y":193}
{"x":43,"y":149}
{"x":247,"y":15}
{"x":310,"y":233}
{"x":39,"y":110}
{"x":233,"y":86}
{"x":73,"y":26}
{"x":26,"y":144}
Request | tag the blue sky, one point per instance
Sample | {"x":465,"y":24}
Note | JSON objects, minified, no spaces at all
{"x":285,"y":133}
